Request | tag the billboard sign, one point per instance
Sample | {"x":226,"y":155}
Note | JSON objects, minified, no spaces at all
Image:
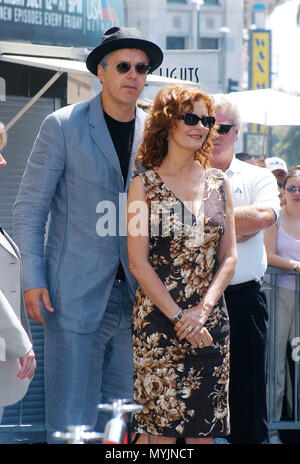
{"x":260,"y":60}
{"x":71,"y":23}
{"x":199,"y":66}
{"x":260,"y":65}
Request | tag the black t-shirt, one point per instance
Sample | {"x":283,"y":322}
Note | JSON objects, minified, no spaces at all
{"x":122,"y":136}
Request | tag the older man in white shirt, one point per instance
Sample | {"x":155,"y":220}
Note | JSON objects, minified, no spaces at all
{"x":257,"y":206}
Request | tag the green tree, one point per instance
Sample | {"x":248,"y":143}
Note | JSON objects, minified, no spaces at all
{"x":286,"y":144}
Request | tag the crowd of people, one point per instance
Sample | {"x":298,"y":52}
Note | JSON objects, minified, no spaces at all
{"x":169,"y":311}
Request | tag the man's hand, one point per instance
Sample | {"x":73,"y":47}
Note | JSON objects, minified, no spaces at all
{"x":33,"y":298}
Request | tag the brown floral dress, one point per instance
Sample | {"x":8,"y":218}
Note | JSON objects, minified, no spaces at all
{"x":183,"y":390}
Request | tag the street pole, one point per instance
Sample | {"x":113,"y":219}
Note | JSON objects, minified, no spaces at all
{"x":198,"y":27}
{"x":198,"y":4}
{"x":224,"y":32}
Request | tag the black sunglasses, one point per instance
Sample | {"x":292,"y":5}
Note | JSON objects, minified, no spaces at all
{"x":191,"y":119}
{"x":224,"y":128}
{"x":124,"y":67}
{"x":293,"y":189}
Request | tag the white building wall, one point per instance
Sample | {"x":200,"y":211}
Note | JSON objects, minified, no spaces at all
{"x":233,"y":18}
{"x":159,"y":20}
{"x":149,"y":16}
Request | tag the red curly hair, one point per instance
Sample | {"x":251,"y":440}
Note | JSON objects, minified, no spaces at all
{"x":170,"y":103}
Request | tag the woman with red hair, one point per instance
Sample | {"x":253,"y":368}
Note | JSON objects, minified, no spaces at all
{"x":181,"y":246}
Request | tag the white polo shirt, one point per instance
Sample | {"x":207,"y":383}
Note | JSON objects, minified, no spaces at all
{"x":252,"y":185}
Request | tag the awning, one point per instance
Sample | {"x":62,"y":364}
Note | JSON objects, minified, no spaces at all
{"x":37,"y":62}
{"x":268,"y":107}
{"x":53,"y":64}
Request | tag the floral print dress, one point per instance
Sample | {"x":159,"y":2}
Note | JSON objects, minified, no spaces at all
{"x":183,"y":390}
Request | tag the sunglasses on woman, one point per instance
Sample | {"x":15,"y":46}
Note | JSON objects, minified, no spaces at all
{"x":224,"y":128}
{"x":124,"y":67}
{"x":293,"y":189}
{"x":191,"y":119}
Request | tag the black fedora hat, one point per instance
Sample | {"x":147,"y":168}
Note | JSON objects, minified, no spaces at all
{"x":116,"y":38}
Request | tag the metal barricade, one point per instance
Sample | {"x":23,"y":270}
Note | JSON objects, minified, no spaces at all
{"x":117,"y":429}
{"x":78,"y":435}
{"x":118,"y":426}
{"x":272,"y":289}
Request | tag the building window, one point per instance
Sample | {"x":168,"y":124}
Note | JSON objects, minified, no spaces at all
{"x":209,"y":43}
{"x":175,"y":43}
{"x":211,"y":2}
{"x":177,"y":1}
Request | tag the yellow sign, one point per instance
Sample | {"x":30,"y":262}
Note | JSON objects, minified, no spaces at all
{"x":260,"y":64}
{"x":260,"y":60}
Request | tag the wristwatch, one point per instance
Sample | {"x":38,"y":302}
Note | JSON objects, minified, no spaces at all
{"x":177,"y":316}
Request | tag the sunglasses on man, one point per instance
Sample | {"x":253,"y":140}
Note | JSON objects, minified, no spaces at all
{"x":191,"y":119}
{"x":124,"y":67}
{"x":224,"y":128}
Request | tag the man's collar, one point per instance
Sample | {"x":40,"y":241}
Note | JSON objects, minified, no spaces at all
{"x":234,"y":166}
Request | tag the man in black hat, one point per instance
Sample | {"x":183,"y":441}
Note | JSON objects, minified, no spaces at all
{"x":80,"y":287}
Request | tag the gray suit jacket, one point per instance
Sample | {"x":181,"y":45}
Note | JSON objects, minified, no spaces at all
{"x":73,"y":172}
{"x":15,"y":335}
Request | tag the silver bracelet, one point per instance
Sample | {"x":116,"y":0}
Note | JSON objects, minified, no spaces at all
{"x":177,"y":316}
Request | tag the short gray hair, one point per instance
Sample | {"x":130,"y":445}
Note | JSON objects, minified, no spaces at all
{"x":104,"y":60}
{"x":222,"y":101}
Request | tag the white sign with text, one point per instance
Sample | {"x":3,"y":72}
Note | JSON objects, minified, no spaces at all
{"x":201,"y":67}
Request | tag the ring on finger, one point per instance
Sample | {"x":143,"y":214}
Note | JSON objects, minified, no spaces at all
{"x":190,"y":328}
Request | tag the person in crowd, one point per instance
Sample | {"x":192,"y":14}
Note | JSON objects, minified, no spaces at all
{"x":260,"y":161}
{"x":80,"y":166}
{"x":17,"y":358}
{"x":282,"y":243}
{"x":181,"y":248}
{"x":256,"y":207}
{"x":242,"y":156}
{"x":279,"y":168}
